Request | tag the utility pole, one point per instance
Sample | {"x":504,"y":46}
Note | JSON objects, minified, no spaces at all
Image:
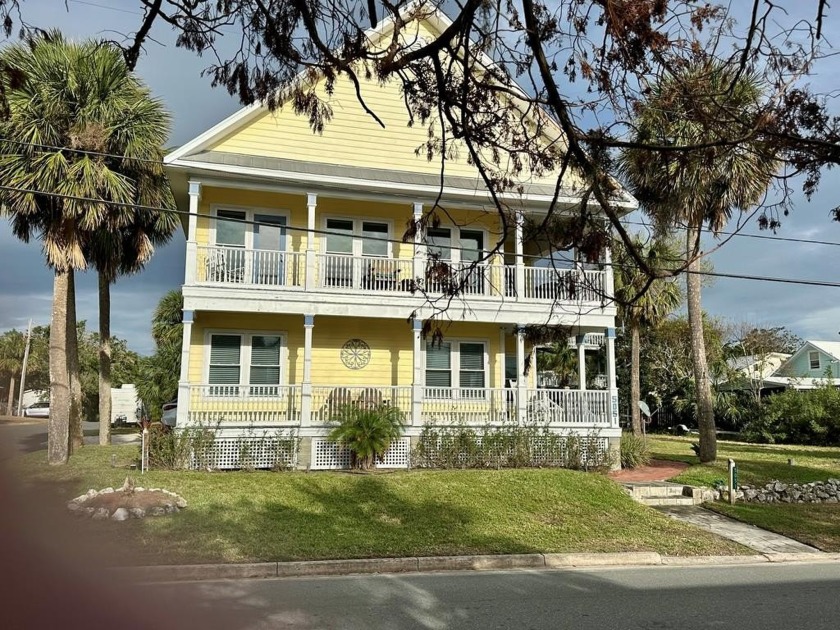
{"x":23,"y":368}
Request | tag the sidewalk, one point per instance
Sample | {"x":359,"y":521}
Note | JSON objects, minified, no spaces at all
{"x":750,"y":536}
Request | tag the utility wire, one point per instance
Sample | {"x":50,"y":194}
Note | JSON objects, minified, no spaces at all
{"x":807,"y":282}
{"x":786,"y":239}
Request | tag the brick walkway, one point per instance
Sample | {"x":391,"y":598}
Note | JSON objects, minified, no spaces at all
{"x":658,"y":470}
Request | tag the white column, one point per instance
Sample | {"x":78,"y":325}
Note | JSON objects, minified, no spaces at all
{"x":581,"y":348}
{"x":418,"y":377}
{"x":311,"y":204}
{"x":520,"y":259}
{"x":306,"y":385}
{"x":183,"y":413}
{"x":419,"y":267}
{"x":612,"y":384}
{"x":608,"y":288}
{"x":521,"y":379}
{"x":192,"y":222}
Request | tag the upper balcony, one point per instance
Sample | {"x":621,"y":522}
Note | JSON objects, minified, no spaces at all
{"x":248,"y":258}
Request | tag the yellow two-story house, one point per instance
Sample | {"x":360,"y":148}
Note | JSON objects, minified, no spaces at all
{"x":302,"y":295}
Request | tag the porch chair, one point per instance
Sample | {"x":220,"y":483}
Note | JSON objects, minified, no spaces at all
{"x":370,"y":398}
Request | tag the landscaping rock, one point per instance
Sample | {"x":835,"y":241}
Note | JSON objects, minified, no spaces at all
{"x":100,"y":514}
{"x":778,"y":492}
{"x":120,"y":514}
{"x":137,"y":512}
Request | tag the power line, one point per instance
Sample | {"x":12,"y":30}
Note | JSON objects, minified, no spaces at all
{"x":105,"y":6}
{"x":806,"y":282}
{"x":738,"y":233}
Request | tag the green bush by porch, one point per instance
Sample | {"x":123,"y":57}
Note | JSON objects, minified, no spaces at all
{"x":261,"y":516}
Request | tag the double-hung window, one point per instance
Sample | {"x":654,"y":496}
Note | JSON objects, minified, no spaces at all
{"x":456,"y":369}
{"x":245,"y":364}
{"x":814,"y":360}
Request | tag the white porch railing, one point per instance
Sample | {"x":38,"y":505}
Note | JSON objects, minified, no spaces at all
{"x":281,"y":405}
{"x":462,"y":405}
{"x":463,"y":278}
{"x":251,"y":404}
{"x":565,"y":285}
{"x":327,"y":402}
{"x":390,"y":275}
{"x":569,"y":407}
{"x":240,"y":266}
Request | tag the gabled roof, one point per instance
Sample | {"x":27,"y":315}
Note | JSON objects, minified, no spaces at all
{"x":200,"y":154}
{"x":830,"y":348}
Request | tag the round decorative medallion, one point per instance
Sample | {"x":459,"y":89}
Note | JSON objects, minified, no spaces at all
{"x":355,"y":354}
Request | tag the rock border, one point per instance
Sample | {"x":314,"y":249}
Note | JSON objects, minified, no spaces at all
{"x":77,"y":505}
{"x":779,"y":492}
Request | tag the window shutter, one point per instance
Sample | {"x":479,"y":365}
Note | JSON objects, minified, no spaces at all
{"x":224,"y":359}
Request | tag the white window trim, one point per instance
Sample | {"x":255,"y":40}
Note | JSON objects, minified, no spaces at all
{"x":455,"y":241}
{"x":810,"y":362}
{"x":357,"y":222}
{"x":245,"y":356}
{"x":455,"y":362}
{"x":250,"y":214}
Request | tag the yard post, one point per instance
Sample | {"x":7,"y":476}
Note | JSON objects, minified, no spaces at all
{"x":733,"y":479}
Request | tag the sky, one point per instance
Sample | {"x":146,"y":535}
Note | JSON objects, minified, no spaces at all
{"x":175,"y":76}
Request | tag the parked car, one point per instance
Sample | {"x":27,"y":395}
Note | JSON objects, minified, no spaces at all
{"x":37,"y":410}
{"x":169,"y":413}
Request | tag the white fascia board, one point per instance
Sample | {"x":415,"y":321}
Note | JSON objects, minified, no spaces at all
{"x":476,"y":310}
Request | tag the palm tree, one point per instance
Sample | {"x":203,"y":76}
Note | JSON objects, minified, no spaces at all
{"x":127,"y":240}
{"x":160,"y":372}
{"x":559,"y":359}
{"x":643,"y":303}
{"x":69,"y":103}
{"x":704,"y":103}
{"x":11,"y":362}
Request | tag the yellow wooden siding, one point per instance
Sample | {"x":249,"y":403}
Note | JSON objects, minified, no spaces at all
{"x":352,"y":137}
{"x":390,"y":341}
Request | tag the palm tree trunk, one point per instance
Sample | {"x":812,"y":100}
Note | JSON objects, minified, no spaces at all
{"x":635,"y":387}
{"x":58,"y":425}
{"x":10,"y":405}
{"x":702,"y":383}
{"x":104,"y":360}
{"x":76,"y":434}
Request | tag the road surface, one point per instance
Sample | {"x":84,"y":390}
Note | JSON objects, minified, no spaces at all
{"x":765,"y":597}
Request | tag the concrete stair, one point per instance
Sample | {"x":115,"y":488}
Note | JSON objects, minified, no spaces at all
{"x":655,"y":493}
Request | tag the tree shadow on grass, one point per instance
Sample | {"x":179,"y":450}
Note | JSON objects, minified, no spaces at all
{"x":360,"y":519}
{"x":785,"y":451}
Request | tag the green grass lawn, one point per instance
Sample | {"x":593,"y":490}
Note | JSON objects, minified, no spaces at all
{"x":758,"y":464}
{"x":264,"y":516}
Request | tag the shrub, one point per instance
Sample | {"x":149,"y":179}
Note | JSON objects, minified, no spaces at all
{"x":508,"y":446}
{"x":366,"y":431}
{"x":798,"y":417}
{"x":634,"y":451}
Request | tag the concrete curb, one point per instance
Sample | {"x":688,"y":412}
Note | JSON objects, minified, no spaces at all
{"x":199,"y":572}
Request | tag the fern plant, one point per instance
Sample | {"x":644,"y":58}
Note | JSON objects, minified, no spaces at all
{"x":366,"y":431}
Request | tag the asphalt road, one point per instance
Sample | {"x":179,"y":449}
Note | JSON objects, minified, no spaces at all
{"x":766,"y":597}
{"x":30,"y":435}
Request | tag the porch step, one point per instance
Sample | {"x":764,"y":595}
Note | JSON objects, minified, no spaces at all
{"x":655,"y":493}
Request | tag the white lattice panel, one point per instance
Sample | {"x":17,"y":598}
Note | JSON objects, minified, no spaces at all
{"x":327,"y":455}
{"x":230,"y":453}
{"x":397,"y":454}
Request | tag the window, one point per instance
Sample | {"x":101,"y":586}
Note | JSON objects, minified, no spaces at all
{"x":230,"y":228}
{"x":238,"y":360}
{"x":439,"y":241}
{"x":250,"y":248}
{"x":469,"y":375}
{"x":340,"y":236}
{"x":814,"y":360}
{"x":378,"y":231}
{"x":439,"y":365}
{"x":225,"y":355}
